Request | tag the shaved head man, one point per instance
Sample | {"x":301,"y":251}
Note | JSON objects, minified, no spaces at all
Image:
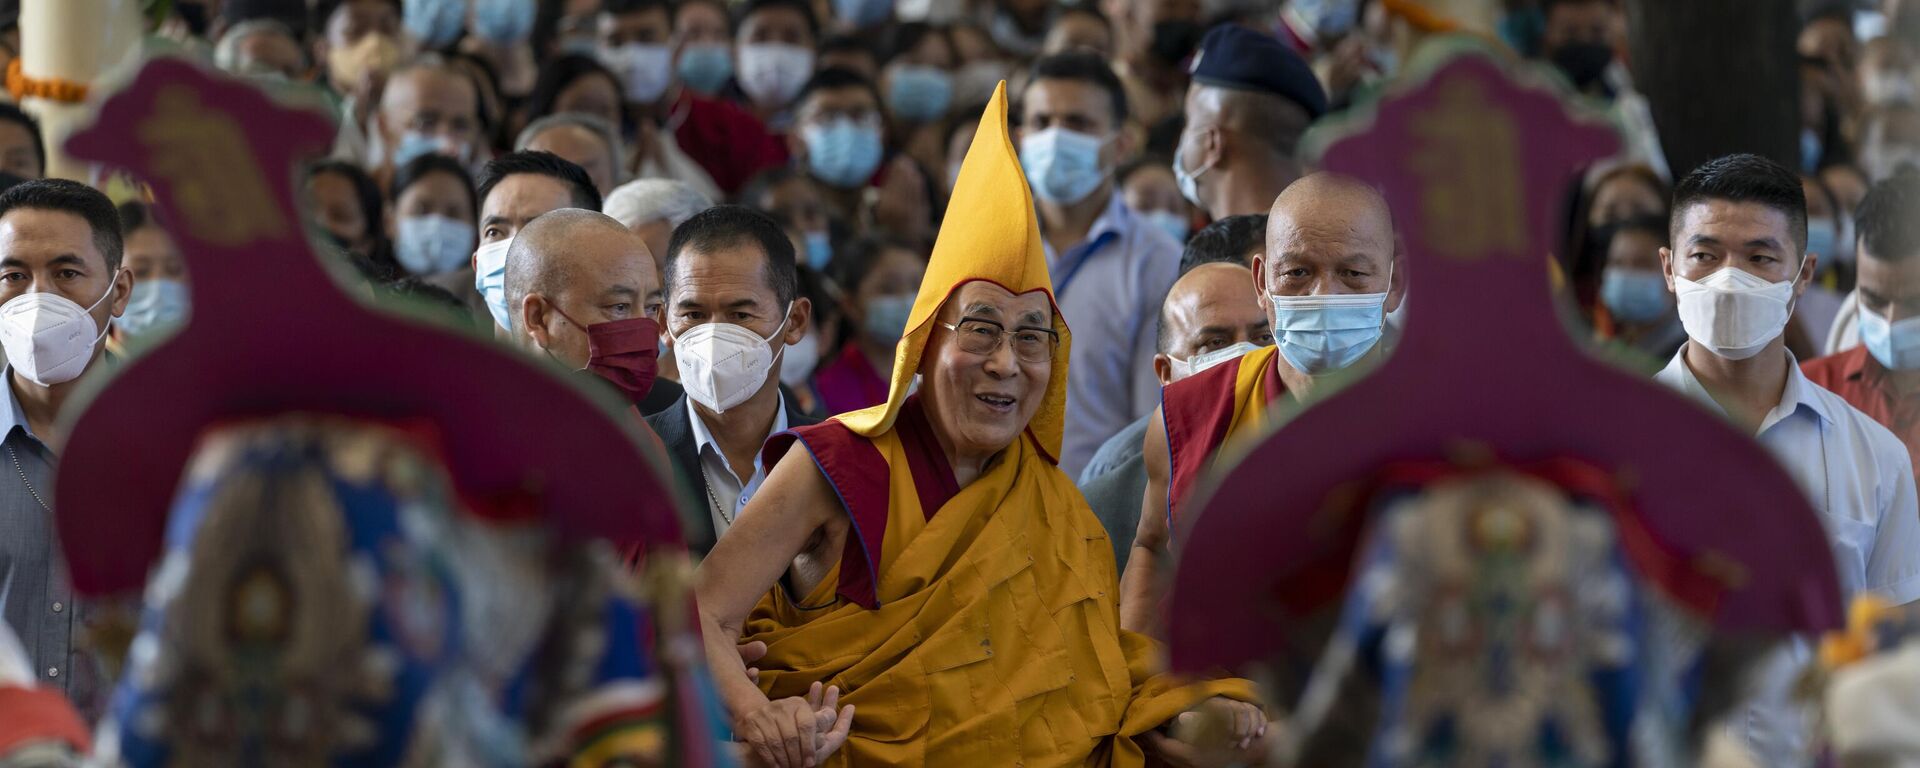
{"x":426,"y":107}
{"x":1210,"y":317}
{"x":571,"y":269}
{"x":1326,"y":282}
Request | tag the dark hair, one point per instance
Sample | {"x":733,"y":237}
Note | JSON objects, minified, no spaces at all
{"x":373,"y":207}
{"x":725,"y":226}
{"x":134,"y":215}
{"x":429,"y":164}
{"x":618,"y":7}
{"x":416,"y":292}
{"x":563,"y":71}
{"x":490,"y":122}
{"x":1744,"y":178}
{"x":1138,"y":164}
{"x":965,"y":117}
{"x":78,"y":199}
{"x":847,"y":44}
{"x":804,"y":8}
{"x":1087,"y":68}
{"x":323,"y":13}
{"x":762,"y":183}
{"x":836,"y":78}
{"x":1886,"y":220}
{"x":1547,"y":6}
{"x":852,"y":263}
{"x":910,"y":35}
{"x":1228,"y":240}
{"x":540,"y":163}
{"x":12,"y":114}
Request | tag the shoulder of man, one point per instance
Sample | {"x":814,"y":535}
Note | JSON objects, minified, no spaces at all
{"x":1830,"y":370}
{"x":1854,"y":426}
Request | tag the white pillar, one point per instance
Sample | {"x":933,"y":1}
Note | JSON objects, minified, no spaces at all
{"x":74,"y":41}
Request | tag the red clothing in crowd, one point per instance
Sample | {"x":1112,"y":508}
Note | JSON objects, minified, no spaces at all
{"x":726,"y":140}
{"x":849,"y":383}
{"x":1863,"y":382}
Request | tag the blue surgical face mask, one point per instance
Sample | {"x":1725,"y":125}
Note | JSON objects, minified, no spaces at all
{"x":1823,"y":238}
{"x":819,"y":250}
{"x":1062,"y":166}
{"x":843,"y":152}
{"x":433,"y":244}
{"x":887,"y":316}
{"x":1175,"y":225}
{"x":154,"y":304}
{"x":435,"y":23}
{"x":920,"y":94}
{"x":1322,"y":334}
{"x":1895,"y":344}
{"x":414,"y":144}
{"x":503,"y":21}
{"x":706,"y":68}
{"x":490,"y":279}
{"x":862,"y":13}
{"x":1635,"y":295}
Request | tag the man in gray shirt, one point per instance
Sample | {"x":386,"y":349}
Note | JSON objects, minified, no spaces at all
{"x":60,"y":285}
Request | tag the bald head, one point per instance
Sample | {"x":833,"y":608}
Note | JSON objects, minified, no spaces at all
{"x":573,"y":268}
{"x":1326,"y":235}
{"x":1211,"y":307}
{"x":434,"y":100}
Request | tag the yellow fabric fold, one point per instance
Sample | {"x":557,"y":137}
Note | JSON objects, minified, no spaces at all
{"x":996,"y":640}
{"x":990,"y":233}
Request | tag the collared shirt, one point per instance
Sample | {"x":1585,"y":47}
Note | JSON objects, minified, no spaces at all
{"x":1863,"y":382}
{"x":1110,"y":287}
{"x":39,"y":602}
{"x":725,"y":491}
{"x":1859,"y":479}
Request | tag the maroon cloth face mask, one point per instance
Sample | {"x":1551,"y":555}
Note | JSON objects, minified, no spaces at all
{"x":626,"y":353}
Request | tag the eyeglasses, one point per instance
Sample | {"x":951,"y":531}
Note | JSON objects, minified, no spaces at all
{"x":982,"y":337}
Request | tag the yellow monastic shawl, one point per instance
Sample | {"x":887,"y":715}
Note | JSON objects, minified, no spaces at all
{"x":995,"y":639}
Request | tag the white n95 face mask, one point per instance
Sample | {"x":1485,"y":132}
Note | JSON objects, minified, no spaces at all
{"x":490,"y":279}
{"x":49,"y":339}
{"x":1732,"y":312}
{"x":1206,"y":360}
{"x":723,"y":365}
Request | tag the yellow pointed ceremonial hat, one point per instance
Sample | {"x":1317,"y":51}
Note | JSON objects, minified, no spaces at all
{"x":990,"y":233}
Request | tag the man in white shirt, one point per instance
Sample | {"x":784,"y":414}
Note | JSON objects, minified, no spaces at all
{"x":1737,"y":264}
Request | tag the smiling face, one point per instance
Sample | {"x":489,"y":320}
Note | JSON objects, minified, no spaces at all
{"x":979,"y":404}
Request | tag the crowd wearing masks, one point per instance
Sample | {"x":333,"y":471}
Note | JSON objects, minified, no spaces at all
{"x":833,"y":260}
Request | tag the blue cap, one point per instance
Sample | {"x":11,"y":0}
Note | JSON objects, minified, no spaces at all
{"x":1233,"y":56}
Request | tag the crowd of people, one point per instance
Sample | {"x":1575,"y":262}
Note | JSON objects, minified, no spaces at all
{"x":731,"y":212}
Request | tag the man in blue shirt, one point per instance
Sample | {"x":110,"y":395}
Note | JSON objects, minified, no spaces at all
{"x":1111,"y":269}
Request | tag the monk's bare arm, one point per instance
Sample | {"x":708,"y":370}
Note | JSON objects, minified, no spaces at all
{"x":795,"y":502}
{"x":1139,"y":600}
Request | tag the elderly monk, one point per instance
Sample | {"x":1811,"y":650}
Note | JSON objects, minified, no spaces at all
{"x":929,"y":559}
{"x":1327,"y":281}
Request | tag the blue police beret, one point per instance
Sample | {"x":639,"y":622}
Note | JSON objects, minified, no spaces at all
{"x":1233,"y":56}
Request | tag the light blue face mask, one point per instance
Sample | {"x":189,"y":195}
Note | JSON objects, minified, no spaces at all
{"x":1322,"y":334}
{"x":1635,"y":295}
{"x":414,"y":144}
{"x":435,"y":23}
{"x":862,"y":13}
{"x":1063,"y":167}
{"x":844,"y":152}
{"x":503,"y":22}
{"x":154,"y":304}
{"x":920,"y":94}
{"x":887,"y":316}
{"x":819,"y":250}
{"x":432,"y":244}
{"x":1175,"y":225}
{"x":1810,"y":150}
{"x":706,"y":68}
{"x":490,"y":279}
{"x":1823,"y":238}
{"x":1895,"y":344}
